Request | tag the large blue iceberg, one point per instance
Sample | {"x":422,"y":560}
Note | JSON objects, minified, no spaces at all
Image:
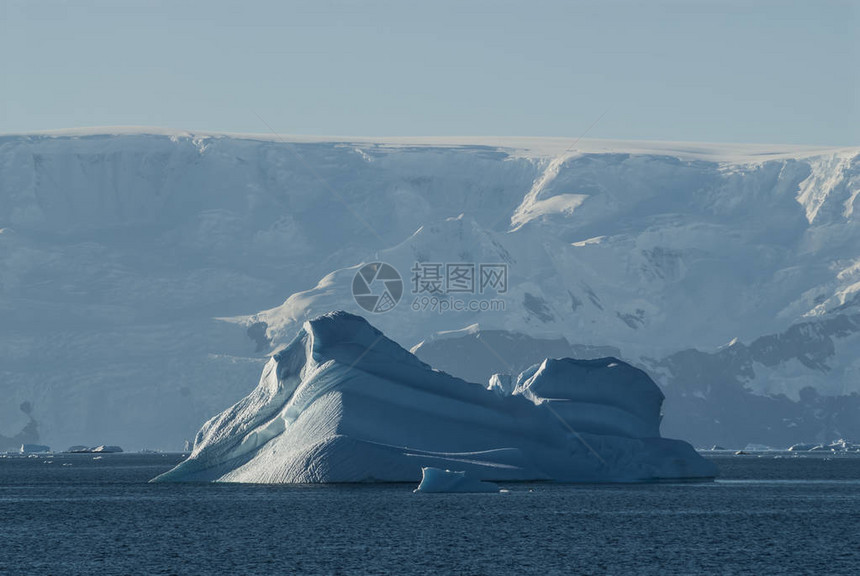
{"x":343,"y":403}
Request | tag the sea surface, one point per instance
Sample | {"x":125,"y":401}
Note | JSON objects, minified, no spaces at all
{"x":766,"y":514}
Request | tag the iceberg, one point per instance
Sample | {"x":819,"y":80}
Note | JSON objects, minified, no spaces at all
{"x":437,"y":480}
{"x":34,"y":448}
{"x":107,"y":449}
{"x":752,"y":447}
{"x":94,"y":450}
{"x":343,"y":403}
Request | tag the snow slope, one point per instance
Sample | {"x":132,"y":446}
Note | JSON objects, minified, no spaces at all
{"x":728,"y":249}
{"x":123,"y":252}
{"x":343,"y":403}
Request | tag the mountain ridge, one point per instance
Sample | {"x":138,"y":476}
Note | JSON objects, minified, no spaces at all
{"x":122,"y":254}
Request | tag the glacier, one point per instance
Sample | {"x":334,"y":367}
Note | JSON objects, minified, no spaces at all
{"x":146,"y":275}
{"x":343,"y":403}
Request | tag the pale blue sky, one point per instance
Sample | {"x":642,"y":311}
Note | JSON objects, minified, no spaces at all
{"x":732,"y":71}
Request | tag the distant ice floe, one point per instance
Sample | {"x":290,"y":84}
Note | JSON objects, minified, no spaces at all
{"x":94,"y":450}
{"x":34,"y":449}
{"x":841,"y":445}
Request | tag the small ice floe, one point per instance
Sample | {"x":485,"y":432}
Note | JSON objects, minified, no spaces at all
{"x":103,"y":449}
{"x":67,"y":464}
{"x":843,"y":445}
{"x":437,"y":480}
{"x":34,"y":449}
{"x":97,"y":457}
{"x":840,"y":445}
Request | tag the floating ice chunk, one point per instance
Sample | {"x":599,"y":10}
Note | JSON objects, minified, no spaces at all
{"x":843,"y":445}
{"x":757,"y":448}
{"x":107,"y":449}
{"x":103,"y":449}
{"x":438,"y":480}
{"x":34,"y":448}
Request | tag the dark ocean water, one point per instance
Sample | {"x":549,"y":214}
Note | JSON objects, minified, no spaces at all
{"x":765,"y":515}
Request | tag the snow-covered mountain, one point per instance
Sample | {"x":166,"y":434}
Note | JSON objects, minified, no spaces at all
{"x":145,"y":275}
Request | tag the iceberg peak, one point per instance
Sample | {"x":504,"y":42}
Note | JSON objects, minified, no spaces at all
{"x":349,"y":339}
